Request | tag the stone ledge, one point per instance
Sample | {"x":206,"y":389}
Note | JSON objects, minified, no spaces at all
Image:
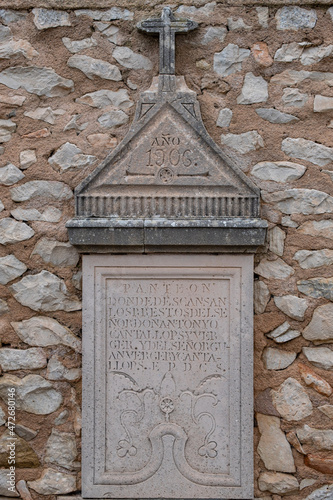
{"x":137,"y":4}
{"x":238,"y":235}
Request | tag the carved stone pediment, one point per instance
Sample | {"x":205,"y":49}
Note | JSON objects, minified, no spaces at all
{"x":167,"y":166}
{"x":167,"y":186}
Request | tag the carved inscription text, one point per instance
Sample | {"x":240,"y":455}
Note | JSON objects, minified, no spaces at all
{"x":160,"y":324}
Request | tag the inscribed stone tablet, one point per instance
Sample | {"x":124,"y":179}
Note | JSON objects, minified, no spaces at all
{"x":167,"y":377}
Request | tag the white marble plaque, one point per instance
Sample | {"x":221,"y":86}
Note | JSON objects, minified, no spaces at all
{"x":167,"y":389}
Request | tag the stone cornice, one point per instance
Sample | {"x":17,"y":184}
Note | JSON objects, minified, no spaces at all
{"x":140,"y":5}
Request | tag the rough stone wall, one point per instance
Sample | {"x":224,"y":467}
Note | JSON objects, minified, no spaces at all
{"x":264,"y":81}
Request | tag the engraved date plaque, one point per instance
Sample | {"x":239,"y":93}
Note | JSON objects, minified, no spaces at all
{"x":167,"y":389}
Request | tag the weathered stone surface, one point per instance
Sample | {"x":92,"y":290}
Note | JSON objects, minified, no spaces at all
{"x":294,"y":441}
{"x":320,"y":330}
{"x":311,"y":378}
{"x":322,"y":357}
{"x":9,"y":16}
{"x":274,"y":269}
{"x":61,"y":449}
{"x":27,"y":158}
{"x":4,"y":485}
{"x":25,"y":456}
{"x":58,"y":253}
{"x":321,"y":228}
{"x":47,"y":115}
{"x":287,"y":221}
{"x":57,"y":371}
{"x":327,"y":410}
{"x":102,"y":141}
{"x":273,"y":115}
{"x":255,"y":89}
{"x":243,"y":143}
{"x":10,"y":268}
{"x":276,"y":237}
{"x":289,"y":52}
{"x":307,"y":150}
{"x":275,"y":359}
{"x":317,"y":287}
{"x":114,"y":118}
{"x":261,"y":296}
{"x":12,"y":231}
{"x":322,"y":103}
{"x":38,"y":134}
{"x":291,"y":401}
{"x":94,"y":67}
{"x":292,"y":306}
{"x":323,"y":493}
{"x":3,"y":307}
{"x":3,"y":418}
{"x":310,"y":259}
{"x":294,"y":98}
{"x":10,"y":174}
{"x":305,"y":483}
{"x":106,"y":15}
{"x":77,"y":280}
{"x":73,"y":125}
{"x":53,"y":190}
{"x":301,"y":201}
{"x":13,"y":100}
{"x":320,"y":439}
{"x":5,"y":34}
{"x":10,"y":46}
{"x":113,"y":35}
{"x":34,"y":394}
{"x":50,"y":214}
{"x":263,"y":16}
{"x":278,"y":171}
{"x":47,"y":18}
{"x":295,"y":18}
{"x":69,"y":156}
{"x":278,"y":483}
{"x":283,"y":333}
{"x":321,"y":464}
{"x":103,"y":98}
{"x":213,"y":33}
{"x":23,"y":490}
{"x":224,"y":118}
{"x":53,"y":482}
{"x":313,"y":55}
{"x":263,"y":404}
{"x":22,"y":359}
{"x":44,"y":292}
{"x":261,"y":54}
{"x":237,"y":24}
{"x":75,"y":46}
{"x":126,"y":57}
{"x":43,"y":331}
{"x":292,"y":77}
{"x":25,"y":432}
{"x":230,"y":59}
{"x":7,"y":128}
{"x":62,"y":418}
{"x":40,"y":81}
{"x":273,"y":447}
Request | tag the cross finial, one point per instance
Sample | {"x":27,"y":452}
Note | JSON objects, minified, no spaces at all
{"x":167,"y":26}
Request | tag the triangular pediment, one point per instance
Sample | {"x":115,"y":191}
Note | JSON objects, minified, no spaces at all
{"x":167,"y":166}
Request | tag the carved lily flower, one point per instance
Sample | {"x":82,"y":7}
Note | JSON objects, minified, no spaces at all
{"x":208,"y":450}
{"x":125,"y":447}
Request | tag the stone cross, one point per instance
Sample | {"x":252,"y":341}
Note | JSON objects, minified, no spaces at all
{"x":167,"y":26}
